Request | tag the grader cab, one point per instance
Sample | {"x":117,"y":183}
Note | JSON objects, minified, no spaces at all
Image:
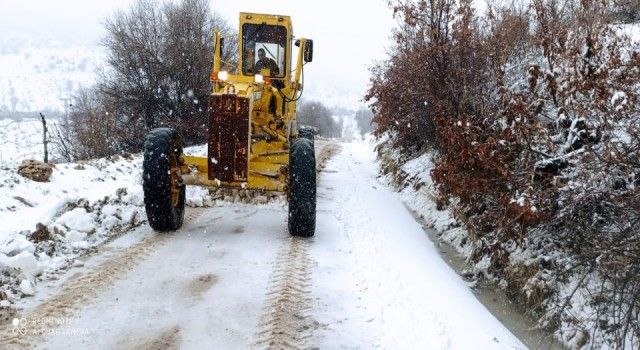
{"x":254,"y":142}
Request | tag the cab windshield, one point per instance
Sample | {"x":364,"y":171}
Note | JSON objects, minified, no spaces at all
{"x":264,"y":47}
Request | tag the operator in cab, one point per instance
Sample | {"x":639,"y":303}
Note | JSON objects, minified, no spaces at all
{"x":265,"y":62}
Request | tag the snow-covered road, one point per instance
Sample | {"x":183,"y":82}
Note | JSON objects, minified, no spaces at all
{"x":232,"y":278}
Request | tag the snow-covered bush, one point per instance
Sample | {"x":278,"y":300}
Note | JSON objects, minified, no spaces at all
{"x":532,"y":112}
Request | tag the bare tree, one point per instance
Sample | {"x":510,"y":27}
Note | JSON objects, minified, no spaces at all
{"x":159,"y":63}
{"x":93,"y":127}
{"x":136,"y":74}
{"x":316,"y":114}
{"x":63,"y":140}
{"x":188,"y":50}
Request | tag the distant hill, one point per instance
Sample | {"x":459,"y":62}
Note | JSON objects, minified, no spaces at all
{"x":34,"y":79}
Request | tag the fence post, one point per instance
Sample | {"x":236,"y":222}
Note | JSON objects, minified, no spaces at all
{"x":44,"y":138}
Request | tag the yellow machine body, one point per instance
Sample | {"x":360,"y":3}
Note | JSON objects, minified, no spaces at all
{"x":252,"y":110}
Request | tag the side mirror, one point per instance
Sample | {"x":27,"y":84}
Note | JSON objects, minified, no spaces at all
{"x":308,"y":51}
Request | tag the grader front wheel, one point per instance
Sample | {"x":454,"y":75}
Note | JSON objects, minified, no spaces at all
{"x":164,"y":192}
{"x":302,"y":188}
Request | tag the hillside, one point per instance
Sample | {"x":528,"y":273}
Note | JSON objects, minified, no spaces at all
{"x":36,"y":78}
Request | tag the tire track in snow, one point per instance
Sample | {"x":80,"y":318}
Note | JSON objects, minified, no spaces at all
{"x":76,"y":293}
{"x":286,"y":320}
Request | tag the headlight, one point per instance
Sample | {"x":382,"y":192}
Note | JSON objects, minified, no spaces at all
{"x":259,"y":78}
{"x":223,"y":75}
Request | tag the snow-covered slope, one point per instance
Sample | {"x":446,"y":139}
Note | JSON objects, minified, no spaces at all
{"x":41,"y":78}
{"x":20,"y":139}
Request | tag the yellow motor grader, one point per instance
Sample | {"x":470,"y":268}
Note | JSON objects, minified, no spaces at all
{"x":254,"y":142}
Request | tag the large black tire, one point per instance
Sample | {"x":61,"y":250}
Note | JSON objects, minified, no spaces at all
{"x":164,"y":193}
{"x":307,"y":133}
{"x":302,"y":188}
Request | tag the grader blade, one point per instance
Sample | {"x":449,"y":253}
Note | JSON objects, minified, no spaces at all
{"x":229,"y":123}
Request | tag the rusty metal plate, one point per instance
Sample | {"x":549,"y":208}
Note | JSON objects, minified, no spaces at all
{"x":228,"y":138}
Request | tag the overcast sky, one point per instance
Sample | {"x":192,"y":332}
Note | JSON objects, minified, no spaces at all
{"x":348,"y":36}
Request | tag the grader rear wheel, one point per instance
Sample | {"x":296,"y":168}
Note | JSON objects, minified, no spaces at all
{"x":164,"y":192}
{"x":302,"y":188}
{"x":307,"y":133}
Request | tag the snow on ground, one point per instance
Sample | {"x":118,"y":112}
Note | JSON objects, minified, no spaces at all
{"x":203,"y":288}
{"x":631,"y":30}
{"x":20,"y":139}
{"x":83,"y":205}
{"x":418,"y":192}
{"x":233,"y":278}
{"x":379,"y":275}
{"x":80,"y":207}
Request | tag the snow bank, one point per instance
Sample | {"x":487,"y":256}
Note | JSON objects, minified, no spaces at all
{"x":78,"y":219}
